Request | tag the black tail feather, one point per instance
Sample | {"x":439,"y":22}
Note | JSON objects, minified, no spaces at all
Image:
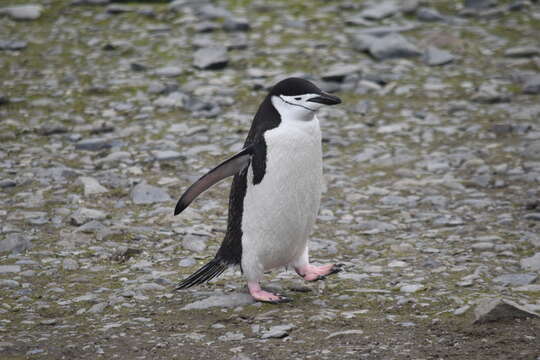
{"x":207,"y":272}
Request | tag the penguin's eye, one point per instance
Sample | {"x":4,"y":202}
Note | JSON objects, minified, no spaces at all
{"x":297,"y":98}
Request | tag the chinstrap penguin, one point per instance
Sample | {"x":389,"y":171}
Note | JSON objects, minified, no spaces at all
{"x":275,"y":193}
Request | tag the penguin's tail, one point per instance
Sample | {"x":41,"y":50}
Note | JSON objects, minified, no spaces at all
{"x":207,"y":272}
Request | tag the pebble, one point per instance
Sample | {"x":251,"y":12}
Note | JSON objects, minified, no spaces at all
{"x":393,"y":46}
{"x":434,"y":56}
{"x":211,"y":58}
{"x":23,"y":12}
{"x":84,"y":215}
{"x":7,"y":269}
{"x":229,"y":300}
{"x":277,"y":332}
{"x":91,"y":186}
{"x":531,"y":263}
{"x":148,"y":194}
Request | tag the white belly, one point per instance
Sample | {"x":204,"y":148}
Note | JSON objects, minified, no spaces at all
{"x":280,"y":211}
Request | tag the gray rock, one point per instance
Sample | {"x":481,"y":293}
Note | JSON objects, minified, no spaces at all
{"x":531,"y":263}
{"x":169,"y":71}
{"x":489,"y":310}
{"x":393,"y":46}
{"x":91,"y":186}
{"x":84,"y":215}
{"x":380,"y":11}
{"x":434,"y":56}
{"x":479,"y":4}
{"x":344,"y":333}
{"x":338,"y":72}
{"x":187,"y":262}
{"x":277,"y":332}
{"x":229,"y":300}
{"x":231,"y":336}
{"x":236,"y":24}
{"x":93,"y":144}
{"x":533,"y":216}
{"x":516,"y":279}
{"x":211,"y":58}
{"x":70,"y":264}
{"x":15,"y":242}
{"x":11,"y":45}
{"x":194,"y":243}
{"x":7,"y":269}
{"x":532,"y":85}
{"x":23,"y":12}
{"x":9,"y":283}
{"x":212,"y":12}
{"x":522,"y":51}
{"x":148,"y":194}
{"x":428,"y":14}
{"x":150,"y":286}
{"x":175,"y":99}
{"x":362,"y":42}
{"x":98,"y":308}
{"x":167,"y":155}
{"x":489,"y":93}
{"x":411,"y":288}
{"x":482,"y":246}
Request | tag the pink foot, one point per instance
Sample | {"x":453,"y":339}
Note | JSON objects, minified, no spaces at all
{"x":265,"y":296}
{"x":313,"y":273}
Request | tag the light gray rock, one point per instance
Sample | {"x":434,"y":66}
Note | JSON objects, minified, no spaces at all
{"x":194,"y":243}
{"x":149,"y":287}
{"x":429,"y":15}
{"x":98,"y":308}
{"x":277,"y":332}
{"x":516,"y":279}
{"x":9,"y":283}
{"x":169,"y":71}
{"x":15,"y":242}
{"x":531,"y":263}
{"x":187,"y":262}
{"x":380,"y":11}
{"x":393,"y":46}
{"x":91,"y":186}
{"x":231,"y":336}
{"x":70,"y":264}
{"x":411,"y":288}
{"x":532,"y":85}
{"x":84,"y":215}
{"x":522,"y":51}
{"x":338,"y":72}
{"x":345,"y":333}
{"x":7,"y":269}
{"x":167,"y":155}
{"x":434,"y":56}
{"x":148,"y":194}
{"x":482,"y":246}
{"x":211,"y":58}
{"x":229,"y":300}
{"x":489,"y":310}
{"x":23,"y":12}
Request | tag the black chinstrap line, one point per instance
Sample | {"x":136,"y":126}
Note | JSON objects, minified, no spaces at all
{"x":290,"y":103}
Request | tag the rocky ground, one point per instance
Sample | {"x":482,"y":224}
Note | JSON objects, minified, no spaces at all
{"x":108,"y":110}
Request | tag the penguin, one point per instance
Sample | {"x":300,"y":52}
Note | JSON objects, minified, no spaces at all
{"x":275,"y":193}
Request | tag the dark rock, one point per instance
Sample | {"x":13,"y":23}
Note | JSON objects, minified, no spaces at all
{"x":533,"y":216}
{"x":212,"y":58}
{"x":206,"y":26}
{"x":490,"y":310}
{"x":148,"y":194}
{"x":434,"y":56}
{"x":7,"y":183}
{"x":94,"y":144}
{"x":479,"y":4}
{"x":118,"y":9}
{"x":236,"y":24}
{"x":393,"y":46}
{"x":134,"y":66}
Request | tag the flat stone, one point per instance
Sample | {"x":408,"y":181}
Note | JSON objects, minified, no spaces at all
{"x":236,"y":24}
{"x":229,"y":300}
{"x":380,"y":11}
{"x":169,"y":71}
{"x":231,"y":336}
{"x":482,"y":246}
{"x":93,"y":144}
{"x":70,"y":264}
{"x":148,"y":194}
{"x":84,"y":215}
{"x":6,"y":269}
{"x":167,"y":155}
{"x":277,"y":332}
{"x":516,"y":279}
{"x":338,"y":72}
{"x":23,"y":12}
{"x":531,"y":263}
{"x":211,"y":58}
{"x":489,"y":310}
{"x":15,"y":242}
{"x":528,"y":288}
{"x":11,"y":45}
{"x":393,"y":46}
{"x":91,"y":186}
{"x":194,"y":243}
{"x":344,"y":333}
{"x":532,"y":85}
{"x":434,"y":56}
{"x":412,"y":288}
{"x":429,"y":15}
{"x":522,"y":51}
{"x":98,"y":308}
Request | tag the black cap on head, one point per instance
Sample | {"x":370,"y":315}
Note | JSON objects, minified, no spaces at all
{"x":294,"y":86}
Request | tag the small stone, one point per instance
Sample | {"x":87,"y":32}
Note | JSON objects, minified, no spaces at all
{"x":229,"y":300}
{"x":194,"y":243}
{"x":151,"y":287}
{"x":236,"y":24}
{"x":532,"y":85}
{"x":9,"y":283}
{"x":516,"y":279}
{"x":533,"y":216}
{"x":478,"y":4}
{"x":338,"y":72}
{"x":380,"y":11}
{"x":482,"y":246}
{"x":498,"y":309}
{"x":393,"y":46}
{"x":187,"y":262}
{"x":167,"y":155}
{"x":70,"y":264}
{"x":345,"y":333}
{"x":412,"y":288}
{"x":84,"y":215}
{"x":11,"y":45}
{"x":427,"y":14}
{"x":462,"y":310}
{"x":211,"y":58}
{"x":15,"y":242}
{"x":231,"y":336}
{"x":48,"y":322}
{"x":98,"y":308}
{"x":148,"y":194}
{"x":531,"y":263}
{"x":169,"y":71}
{"x":277,"y":332}
{"x":23,"y":12}
{"x":91,"y":186}
{"x":522,"y":51}
{"x":93,"y":144}
{"x":397,"y":264}
{"x":434,"y":56}
{"x":6,"y":269}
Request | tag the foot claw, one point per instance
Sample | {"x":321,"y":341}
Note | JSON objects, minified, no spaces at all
{"x":316,"y":273}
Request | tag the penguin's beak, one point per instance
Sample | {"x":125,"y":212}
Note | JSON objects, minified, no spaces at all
{"x":326,"y":99}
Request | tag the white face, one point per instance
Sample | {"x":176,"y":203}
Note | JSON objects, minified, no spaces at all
{"x":296,"y":107}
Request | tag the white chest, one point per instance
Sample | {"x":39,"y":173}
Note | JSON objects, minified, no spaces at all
{"x":280,"y":211}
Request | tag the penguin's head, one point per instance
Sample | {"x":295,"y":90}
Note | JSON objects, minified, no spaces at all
{"x":296,"y":98}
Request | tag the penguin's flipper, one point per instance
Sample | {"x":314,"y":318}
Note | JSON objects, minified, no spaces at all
{"x":229,"y":167}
